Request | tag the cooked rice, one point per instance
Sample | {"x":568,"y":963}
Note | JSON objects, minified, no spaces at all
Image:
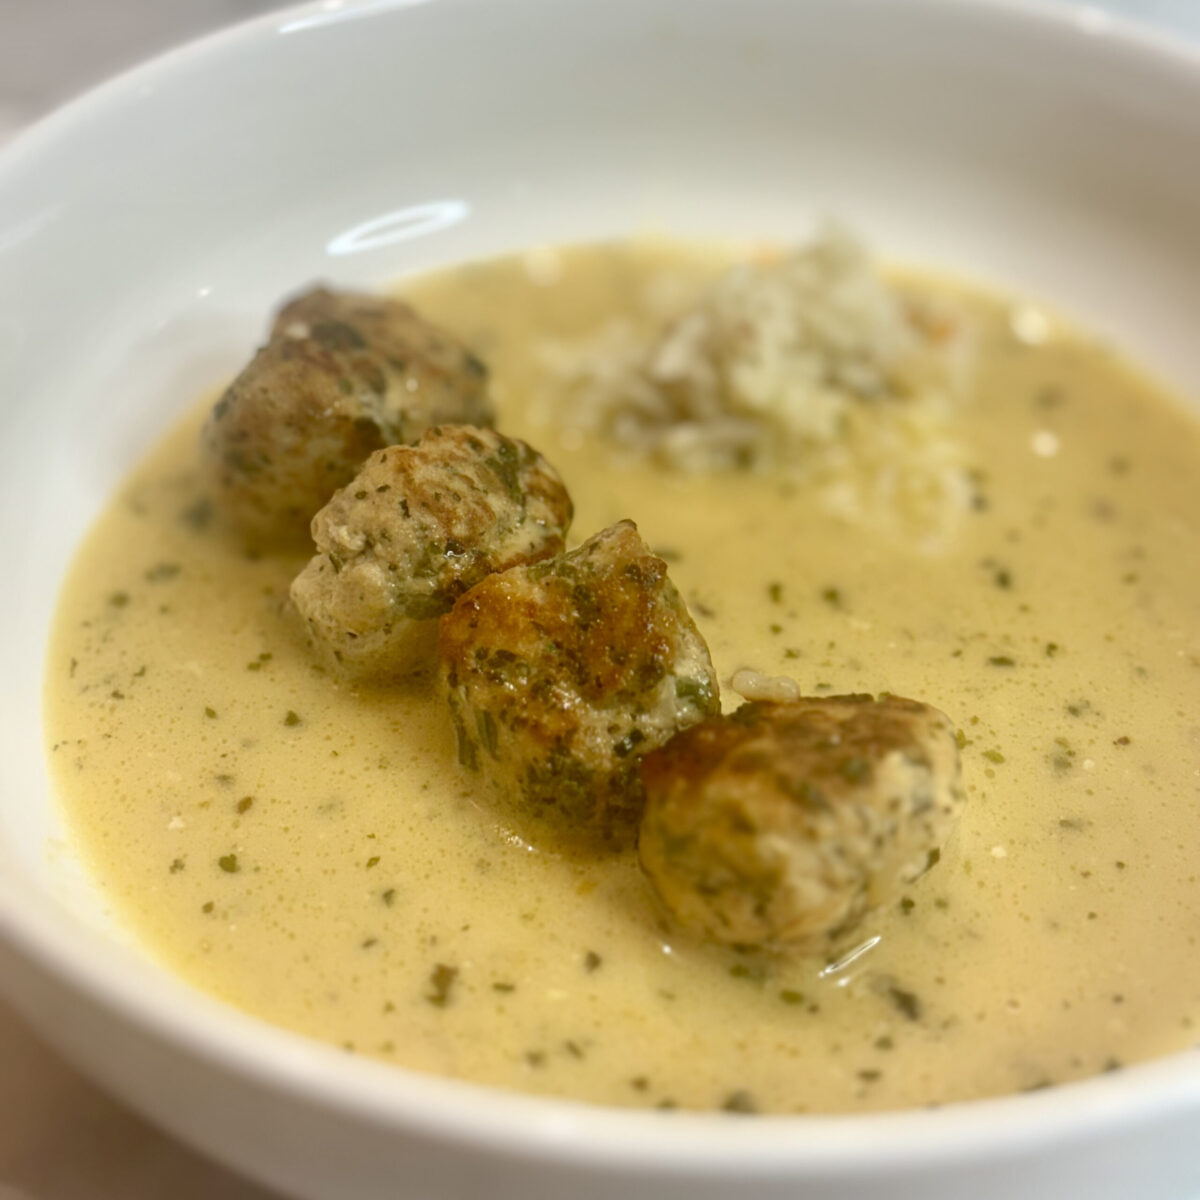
{"x":811,"y":362}
{"x":755,"y":685}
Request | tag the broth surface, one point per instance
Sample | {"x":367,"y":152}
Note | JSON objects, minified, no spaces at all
{"x":310,"y":853}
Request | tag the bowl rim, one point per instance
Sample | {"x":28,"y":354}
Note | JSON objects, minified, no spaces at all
{"x":514,"y":1124}
{"x":1071,"y":18}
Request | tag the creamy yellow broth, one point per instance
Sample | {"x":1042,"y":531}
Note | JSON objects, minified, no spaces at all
{"x":310,"y":854}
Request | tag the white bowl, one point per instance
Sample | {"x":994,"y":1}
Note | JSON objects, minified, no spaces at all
{"x":146,"y":230}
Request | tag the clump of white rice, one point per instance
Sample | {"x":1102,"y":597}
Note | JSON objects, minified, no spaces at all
{"x":810,"y":361}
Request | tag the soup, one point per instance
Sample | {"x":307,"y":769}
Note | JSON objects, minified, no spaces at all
{"x":307,"y":849}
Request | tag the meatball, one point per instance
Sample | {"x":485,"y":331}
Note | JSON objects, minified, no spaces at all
{"x":416,"y":528}
{"x":561,"y":675}
{"x":341,"y":376}
{"x":783,"y":823}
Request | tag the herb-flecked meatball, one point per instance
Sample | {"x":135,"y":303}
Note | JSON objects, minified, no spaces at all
{"x":561,"y":675}
{"x":783,"y":823}
{"x":342,"y":375}
{"x":416,"y":528}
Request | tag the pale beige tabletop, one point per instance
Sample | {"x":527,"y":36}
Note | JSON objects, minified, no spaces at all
{"x":61,"y":1138}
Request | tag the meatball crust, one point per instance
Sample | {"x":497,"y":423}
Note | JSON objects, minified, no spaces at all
{"x":561,"y":675}
{"x":416,"y":528}
{"x":342,"y":375}
{"x":783,"y":823}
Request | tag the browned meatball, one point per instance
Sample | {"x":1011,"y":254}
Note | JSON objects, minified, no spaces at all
{"x":561,"y":675}
{"x":341,"y":376}
{"x":784,"y":823}
{"x":416,"y":528}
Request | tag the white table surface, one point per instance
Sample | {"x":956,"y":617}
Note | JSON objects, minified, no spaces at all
{"x":61,"y":1138}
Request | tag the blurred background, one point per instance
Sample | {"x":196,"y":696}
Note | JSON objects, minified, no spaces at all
{"x":50,"y":50}
{"x":61,"y":1139}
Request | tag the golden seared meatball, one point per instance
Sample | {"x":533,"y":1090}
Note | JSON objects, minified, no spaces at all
{"x":416,"y":528}
{"x":561,"y":675}
{"x":784,"y":823}
{"x":342,"y":375}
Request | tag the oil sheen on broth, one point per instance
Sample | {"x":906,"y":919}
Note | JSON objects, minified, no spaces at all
{"x":309,"y":852}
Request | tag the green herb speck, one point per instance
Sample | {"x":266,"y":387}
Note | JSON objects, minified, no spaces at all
{"x":198,"y":516}
{"x":907,"y":1003}
{"x":441,"y":983}
{"x":741,"y":1102}
{"x":854,"y":770}
{"x":754,"y":972}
